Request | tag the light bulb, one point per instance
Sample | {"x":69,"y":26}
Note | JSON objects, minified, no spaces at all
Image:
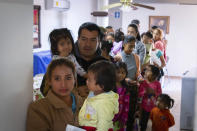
{"x":125,"y":8}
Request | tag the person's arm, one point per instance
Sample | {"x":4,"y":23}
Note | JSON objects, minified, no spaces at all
{"x":163,"y":63}
{"x":171,"y":121}
{"x":36,"y":120}
{"x":142,"y":52}
{"x":78,"y":67}
{"x":158,"y":90}
{"x":118,"y":57}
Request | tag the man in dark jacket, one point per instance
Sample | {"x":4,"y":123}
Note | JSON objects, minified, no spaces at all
{"x":87,"y":51}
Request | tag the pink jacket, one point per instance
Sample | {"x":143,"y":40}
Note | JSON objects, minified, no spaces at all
{"x":149,"y":100}
{"x":161,"y":46}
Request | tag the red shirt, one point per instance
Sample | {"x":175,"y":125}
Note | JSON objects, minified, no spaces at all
{"x":161,"y":119}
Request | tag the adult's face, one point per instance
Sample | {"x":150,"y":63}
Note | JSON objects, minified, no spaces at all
{"x":88,"y":43}
{"x":131,"y":31}
{"x":62,"y":81}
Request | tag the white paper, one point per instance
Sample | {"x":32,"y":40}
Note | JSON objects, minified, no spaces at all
{"x":73,"y":128}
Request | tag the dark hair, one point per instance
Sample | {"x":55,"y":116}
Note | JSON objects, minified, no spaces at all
{"x":149,"y":34}
{"x":142,"y":34}
{"x":155,"y":71}
{"x":102,"y":34}
{"x":91,"y":27}
{"x":136,"y":29}
{"x":167,"y":100}
{"x":135,"y":21}
{"x":107,"y":46}
{"x":119,"y":35}
{"x":109,"y":27}
{"x":56,"y":35}
{"x":154,"y":27}
{"x":110,"y":34}
{"x":118,"y":66}
{"x":128,"y":39}
{"x":105,"y":74}
{"x":54,"y":63}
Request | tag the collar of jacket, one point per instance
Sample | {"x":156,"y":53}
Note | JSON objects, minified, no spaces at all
{"x":56,"y":101}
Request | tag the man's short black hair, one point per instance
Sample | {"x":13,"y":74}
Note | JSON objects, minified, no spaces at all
{"x":89,"y":26}
{"x":109,"y":27}
{"x":135,"y":21}
{"x":105,"y":74}
{"x":154,"y":27}
{"x":149,"y":34}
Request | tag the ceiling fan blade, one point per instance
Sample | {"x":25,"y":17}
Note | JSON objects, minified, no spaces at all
{"x":134,"y":7}
{"x":99,"y":13}
{"x":144,"y":6}
{"x":111,"y":6}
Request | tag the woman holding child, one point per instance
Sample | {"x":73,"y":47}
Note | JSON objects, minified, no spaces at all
{"x":61,"y":105}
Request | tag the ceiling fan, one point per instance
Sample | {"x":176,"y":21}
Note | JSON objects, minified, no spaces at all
{"x":128,"y":3}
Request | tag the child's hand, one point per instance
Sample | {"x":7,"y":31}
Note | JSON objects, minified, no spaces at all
{"x":130,"y":82}
{"x":137,"y":114}
{"x":83,"y":91}
{"x":118,"y":58}
{"x":85,"y":76}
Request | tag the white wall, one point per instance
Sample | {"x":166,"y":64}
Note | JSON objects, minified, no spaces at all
{"x":102,"y":21}
{"x":16,"y":68}
{"x":182,"y":43}
{"x":78,"y":13}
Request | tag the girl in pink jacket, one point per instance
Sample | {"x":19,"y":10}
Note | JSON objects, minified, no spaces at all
{"x":149,"y":90}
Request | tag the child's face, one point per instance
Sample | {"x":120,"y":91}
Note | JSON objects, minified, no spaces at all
{"x":62,"y":81}
{"x":64,"y":46}
{"x":129,"y":47}
{"x":148,"y":73}
{"x":160,"y":104}
{"x":146,"y":40}
{"x":120,"y":74}
{"x":156,"y":35}
{"x":91,"y":84}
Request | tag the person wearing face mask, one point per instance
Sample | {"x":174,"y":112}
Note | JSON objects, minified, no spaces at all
{"x":117,"y":45}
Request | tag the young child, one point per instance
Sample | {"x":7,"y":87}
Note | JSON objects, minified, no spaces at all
{"x":105,"y":50}
{"x":158,"y":43}
{"x":120,"y":119}
{"x":62,"y":46}
{"x":61,"y":105}
{"x":149,"y":90}
{"x":99,"y":109}
{"x":161,"y":117}
{"x":147,"y":40}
